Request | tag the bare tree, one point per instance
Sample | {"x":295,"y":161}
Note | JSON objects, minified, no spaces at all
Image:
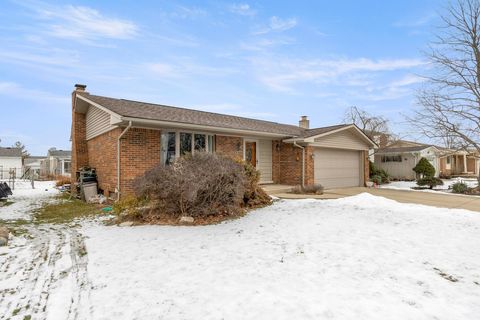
{"x":22,"y":147}
{"x":373,"y":126}
{"x":450,"y":101}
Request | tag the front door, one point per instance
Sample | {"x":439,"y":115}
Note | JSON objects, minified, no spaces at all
{"x":251,"y":152}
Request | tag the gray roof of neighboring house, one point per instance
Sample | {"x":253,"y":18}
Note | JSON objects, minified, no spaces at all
{"x":404,"y":149}
{"x":150,"y":111}
{"x":10,"y":152}
{"x":316,"y":131}
{"x":60,"y":153}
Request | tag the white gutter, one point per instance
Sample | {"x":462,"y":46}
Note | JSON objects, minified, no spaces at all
{"x":303,"y":161}
{"x":118,"y":157}
{"x":171,"y":124}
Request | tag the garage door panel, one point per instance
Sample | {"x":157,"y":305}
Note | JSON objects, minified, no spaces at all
{"x":337,"y":168}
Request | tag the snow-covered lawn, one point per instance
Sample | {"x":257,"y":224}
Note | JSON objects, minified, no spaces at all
{"x":362,"y":257}
{"x":446,"y":187}
{"x":25,"y":199}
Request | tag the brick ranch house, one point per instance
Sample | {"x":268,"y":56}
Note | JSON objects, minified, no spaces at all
{"x":122,"y":139}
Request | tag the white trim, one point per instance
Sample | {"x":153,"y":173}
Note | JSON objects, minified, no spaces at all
{"x":195,"y":127}
{"x":311,"y":139}
{"x":110,"y":112}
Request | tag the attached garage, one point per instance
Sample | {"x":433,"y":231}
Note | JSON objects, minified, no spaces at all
{"x":338,"y":168}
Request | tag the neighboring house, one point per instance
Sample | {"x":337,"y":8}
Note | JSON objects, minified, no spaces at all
{"x":122,"y":139}
{"x":32,"y":165}
{"x":57,"y":163}
{"x":399,"y":158}
{"x":10,"y":161}
{"x":459,"y":163}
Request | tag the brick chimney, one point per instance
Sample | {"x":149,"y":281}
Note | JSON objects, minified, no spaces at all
{"x":304,"y":122}
{"x":80,"y":87}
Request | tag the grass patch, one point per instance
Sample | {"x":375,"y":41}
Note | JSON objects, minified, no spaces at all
{"x":6,"y":203}
{"x":64,"y":210}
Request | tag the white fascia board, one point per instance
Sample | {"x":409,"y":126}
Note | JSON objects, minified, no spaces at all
{"x":190,"y":126}
{"x":110,"y":112}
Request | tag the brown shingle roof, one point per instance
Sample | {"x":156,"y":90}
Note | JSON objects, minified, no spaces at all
{"x":316,"y":131}
{"x":404,"y":149}
{"x":150,"y":111}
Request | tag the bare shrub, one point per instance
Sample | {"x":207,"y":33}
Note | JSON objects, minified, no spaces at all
{"x":309,"y":189}
{"x":196,"y":185}
{"x":254,"y":195}
{"x":62,"y":180}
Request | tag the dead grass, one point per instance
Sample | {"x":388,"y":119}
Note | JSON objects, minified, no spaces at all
{"x":64,"y":210}
{"x":62,"y":180}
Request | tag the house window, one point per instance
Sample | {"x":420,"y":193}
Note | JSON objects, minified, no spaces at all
{"x":67,"y":166}
{"x":448,"y":160}
{"x":394,"y":158}
{"x":168,"y":150}
{"x":211,"y":143}
{"x":200,"y":142}
{"x":185,"y":143}
{"x":175,"y":144}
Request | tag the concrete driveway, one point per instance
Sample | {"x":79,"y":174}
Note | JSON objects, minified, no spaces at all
{"x":427,"y":198}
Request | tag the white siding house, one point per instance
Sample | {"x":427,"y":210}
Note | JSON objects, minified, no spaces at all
{"x":10,"y":162}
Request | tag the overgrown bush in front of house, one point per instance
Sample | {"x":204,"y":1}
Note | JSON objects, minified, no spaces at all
{"x":430,"y":182}
{"x":459,"y":187}
{"x":376,"y":172}
{"x":254,"y":195}
{"x":202,"y":186}
{"x":308,"y":189}
{"x":424,"y":168}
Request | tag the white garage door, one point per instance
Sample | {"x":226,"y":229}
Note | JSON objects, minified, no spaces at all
{"x":337,"y":168}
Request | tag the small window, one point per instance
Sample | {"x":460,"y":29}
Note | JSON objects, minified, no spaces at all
{"x":199,"y":142}
{"x":395,"y":158}
{"x":168,"y":147}
{"x":211,"y":143}
{"x":448,"y":160}
{"x":67,"y":166}
{"x":185,"y":143}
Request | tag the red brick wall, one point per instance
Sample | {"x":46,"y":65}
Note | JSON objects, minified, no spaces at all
{"x":230,"y":146}
{"x":79,"y":141}
{"x":287,"y":163}
{"x":102,"y":151}
{"x":140,"y":152}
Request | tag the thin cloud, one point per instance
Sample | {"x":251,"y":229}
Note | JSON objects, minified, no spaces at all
{"x":277,"y":24}
{"x":185,"y":67}
{"x":417,"y":21}
{"x":284,"y":74}
{"x":17,"y":91}
{"x":82,"y":23}
{"x":243,"y":9}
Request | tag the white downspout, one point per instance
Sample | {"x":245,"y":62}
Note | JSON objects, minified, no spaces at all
{"x":303,"y":161}
{"x":118,"y":157}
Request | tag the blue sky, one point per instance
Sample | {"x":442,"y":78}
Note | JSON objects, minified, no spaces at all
{"x":265,"y":59}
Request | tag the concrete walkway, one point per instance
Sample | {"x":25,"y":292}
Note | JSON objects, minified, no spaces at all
{"x":405,"y":196}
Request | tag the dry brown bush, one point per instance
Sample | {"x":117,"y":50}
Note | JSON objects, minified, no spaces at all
{"x":195,"y":185}
{"x":62,"y":180}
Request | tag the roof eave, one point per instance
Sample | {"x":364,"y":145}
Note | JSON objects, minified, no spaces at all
{"x":140,"y":122}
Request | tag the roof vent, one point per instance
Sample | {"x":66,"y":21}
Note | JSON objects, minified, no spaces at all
{"x":304,"y":122}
